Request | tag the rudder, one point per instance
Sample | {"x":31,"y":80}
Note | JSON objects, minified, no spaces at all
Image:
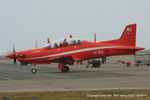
{"x":128,"y":37}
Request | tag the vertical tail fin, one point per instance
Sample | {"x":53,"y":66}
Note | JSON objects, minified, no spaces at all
{"x":128,"y":37}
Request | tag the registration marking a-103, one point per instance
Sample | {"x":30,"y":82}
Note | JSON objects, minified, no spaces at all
{"x":99,"y":52}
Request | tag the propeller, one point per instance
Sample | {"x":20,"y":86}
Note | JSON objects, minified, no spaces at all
{"x":15,"y":58}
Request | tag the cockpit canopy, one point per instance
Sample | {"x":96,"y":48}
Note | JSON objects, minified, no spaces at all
{"x":63,"y":42}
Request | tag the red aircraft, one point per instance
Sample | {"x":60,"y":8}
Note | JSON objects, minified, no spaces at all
{"x":69,"y":50}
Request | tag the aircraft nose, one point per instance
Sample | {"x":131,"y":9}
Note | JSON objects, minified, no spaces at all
{"x":10,"y":55}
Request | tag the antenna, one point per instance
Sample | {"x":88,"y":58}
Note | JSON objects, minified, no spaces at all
{"x":36,"y":45}
{"x":94,"y":37}
{"x":70,"y":36}
{"x":48,"y":40}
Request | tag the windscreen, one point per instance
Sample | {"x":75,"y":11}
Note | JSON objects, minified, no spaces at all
{"x":63,"y":42}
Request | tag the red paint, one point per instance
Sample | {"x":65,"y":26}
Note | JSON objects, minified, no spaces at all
{"x":48,"y":40}
{"x":126,"y":45}
{"x":70,"y":36}
{"x":94,"y":37}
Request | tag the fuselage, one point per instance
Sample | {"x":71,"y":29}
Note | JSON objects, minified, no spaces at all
{"x":84,"y":51}
{"x":67,"y":51}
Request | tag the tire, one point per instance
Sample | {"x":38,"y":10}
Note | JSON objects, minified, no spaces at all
{"x":148,"y":64}
{"x":67,"y":68}
{"x":96,"y":64}
{"x":34,"y":71}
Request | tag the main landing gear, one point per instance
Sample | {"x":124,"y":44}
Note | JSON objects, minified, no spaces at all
{"x":63,"y":67}
{"x":96,"y":63}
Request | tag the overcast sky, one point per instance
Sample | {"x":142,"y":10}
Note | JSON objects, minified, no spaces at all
{"x":26,"y":21}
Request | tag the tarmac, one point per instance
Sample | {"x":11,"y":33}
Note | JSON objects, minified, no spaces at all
{"x":17,"y":78}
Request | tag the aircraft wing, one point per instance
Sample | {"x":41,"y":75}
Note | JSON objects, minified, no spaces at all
{"x":55,"y":59}
{"x":76,"y":58}
{"x":64,"y":59}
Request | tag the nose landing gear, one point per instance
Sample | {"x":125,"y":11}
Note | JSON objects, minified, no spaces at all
{"x":33,"y":70}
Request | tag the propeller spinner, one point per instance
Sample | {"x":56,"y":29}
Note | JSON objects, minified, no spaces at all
{"x":13,"y":55}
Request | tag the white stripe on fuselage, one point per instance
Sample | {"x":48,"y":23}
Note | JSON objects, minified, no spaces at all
{"x":75,"y":51}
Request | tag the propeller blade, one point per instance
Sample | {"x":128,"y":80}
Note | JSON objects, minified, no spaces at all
{"x":15,"y":60}
{"x":14,"y":51}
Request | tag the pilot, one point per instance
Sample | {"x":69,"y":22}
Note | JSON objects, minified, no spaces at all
{"x":60,"y":45}
{"x":79,"y":41}
{"x":55,"y":44}
{"x":66,"y":44}
{"x":74,"y":42}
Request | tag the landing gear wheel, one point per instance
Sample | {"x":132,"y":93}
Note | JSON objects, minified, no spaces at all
{"x":96,"y":64}
{"x":34,"y":70}
{"x":65,"y":69}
